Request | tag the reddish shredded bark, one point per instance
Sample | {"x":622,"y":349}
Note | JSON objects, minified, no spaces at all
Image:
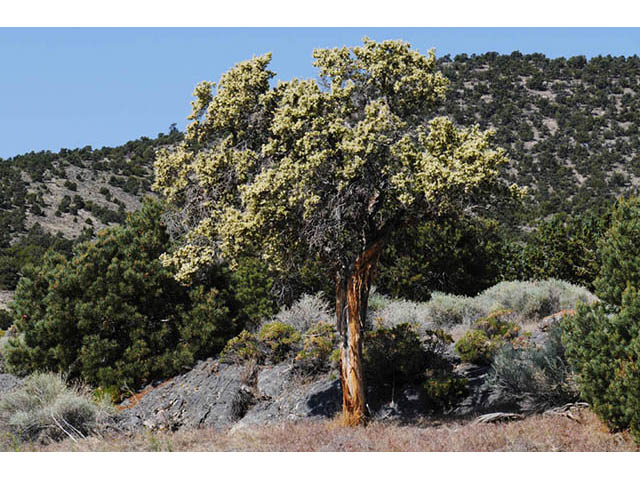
{"x":352,"y":296}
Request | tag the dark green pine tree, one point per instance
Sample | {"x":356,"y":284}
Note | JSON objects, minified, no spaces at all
{"x":563,"y":247}
{"x":603,"y":340}
{"x":620,"y":253}
{"x":112,"y":314}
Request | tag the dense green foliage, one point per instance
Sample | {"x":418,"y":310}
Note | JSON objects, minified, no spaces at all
{"x":562,"y":247}
{"x":462,"y":256}
{"x":6,"y":319}
{"x":488,"y":334}
{"x":324,"y":169}
{"x":603,"y":340}
{"x":29,"y":249}
{"x":112,"y":314}
{"x":398,"y":356}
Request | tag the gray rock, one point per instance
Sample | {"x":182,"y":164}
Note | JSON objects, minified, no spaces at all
{"x":477,"y":398}
{"x":273,"y":380}
{"x":211,"y":394}
{"x":318,"y":399}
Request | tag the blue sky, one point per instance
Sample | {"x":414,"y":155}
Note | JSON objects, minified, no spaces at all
{"x":69,"y":88}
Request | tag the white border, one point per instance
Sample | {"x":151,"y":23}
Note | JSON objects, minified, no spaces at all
{"x":319,"y":13}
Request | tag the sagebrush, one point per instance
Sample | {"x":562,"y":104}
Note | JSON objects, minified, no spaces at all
{"x":45,"y":408}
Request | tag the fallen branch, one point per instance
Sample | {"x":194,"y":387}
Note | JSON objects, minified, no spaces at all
{"x":498,"y":417}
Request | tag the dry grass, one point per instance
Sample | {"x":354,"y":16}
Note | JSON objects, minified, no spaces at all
{"x":537,"y":433}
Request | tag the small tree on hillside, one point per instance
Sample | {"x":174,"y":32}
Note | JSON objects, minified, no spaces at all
{"x":326,"y":169}
{"x":112,"y":315}
{"x":603,"y":340}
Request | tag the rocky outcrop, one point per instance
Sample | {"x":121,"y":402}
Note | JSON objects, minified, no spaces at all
{"x":210,"y":395}
{"x":219,"y":395}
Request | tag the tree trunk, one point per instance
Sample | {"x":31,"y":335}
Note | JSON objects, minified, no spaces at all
{"x":352,"y":296}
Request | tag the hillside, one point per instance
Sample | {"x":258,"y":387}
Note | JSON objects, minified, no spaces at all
{"x":67,"y":191}
{"x":49,"y":199}
{"x":570,"y":127}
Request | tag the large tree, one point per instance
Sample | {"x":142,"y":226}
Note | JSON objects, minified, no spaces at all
{"x":325,"y":168}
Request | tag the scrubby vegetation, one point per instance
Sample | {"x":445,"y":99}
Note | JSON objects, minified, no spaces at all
{"x":533,"y":378}
{"x":44,"y":408}
{"x":486,"y":336}
{"x":112,"y":315}
{"x":477,"y":288}
{"x":603,"y":340}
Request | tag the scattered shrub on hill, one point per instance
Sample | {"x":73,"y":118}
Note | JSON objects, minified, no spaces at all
{"x":112,"y":314}
{"x":499,"y":324}
{"x":65,"y":203}
{"x":603,"y":340}
{"x":488,"y":334}
{"x":528,"y":300}
{"x":476,"y":347}
{"x":533,"y":378}
{"x":306,"y":312}
{"x":242,"y":348}
{"x":280,"y":340}
{"x":534,"y":300}
{"x":319,"y":349}
{"x":398,"y":311}
{"x":44,"y":408}
{"x":446,"y":310}
{"x":398,"y":356}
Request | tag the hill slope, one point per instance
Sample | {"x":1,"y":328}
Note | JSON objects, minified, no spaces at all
{"x":570,"y":127}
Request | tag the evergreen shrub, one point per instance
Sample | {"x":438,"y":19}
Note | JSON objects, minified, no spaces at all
{"x":319,"y":344}
{"x":242,"y":348}
{"x":279,"y":340}
{"x":398,"y":356}
{"x":112,"y":315}
{"x":480,"y":344}
{"x":5,"y":319}
{"x":603,"y":340}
